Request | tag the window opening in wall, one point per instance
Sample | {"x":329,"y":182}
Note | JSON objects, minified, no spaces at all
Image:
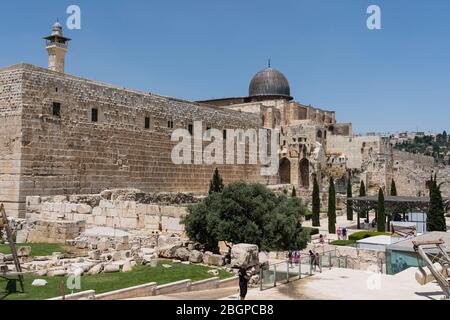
{"x":190,"y":129}
{"x":170,"y":124}
{"x":57,"y":109}
{"x":147,"y":123}
{"x":225,"y":134}
{"x":94,"y":115}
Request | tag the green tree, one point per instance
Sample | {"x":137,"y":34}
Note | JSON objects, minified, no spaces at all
{"x":381,"y":214}
{"x":316,"y":204}
{"x":436,"y":213}
{"x":393,"y":188}
{"x":362,"y":193}
{"x":349,"y":202}
{"x":216,"y":184}
{"x":294,"y":192}
{"x":331,"y":207}
{"x":248,"y":213}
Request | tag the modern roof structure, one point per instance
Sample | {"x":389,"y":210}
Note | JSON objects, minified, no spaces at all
{"x":407,"y":244}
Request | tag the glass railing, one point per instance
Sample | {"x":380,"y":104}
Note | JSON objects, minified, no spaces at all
{"x":285,"y":271}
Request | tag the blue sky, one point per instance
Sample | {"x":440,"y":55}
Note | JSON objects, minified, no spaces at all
{"x":397,"y":78}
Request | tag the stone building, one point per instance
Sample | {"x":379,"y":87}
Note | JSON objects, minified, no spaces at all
{"x":62,"y":135}
{"x":304,"y":130}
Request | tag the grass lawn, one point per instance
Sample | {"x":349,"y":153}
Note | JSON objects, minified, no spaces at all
{"x":37,"y":249}
{"x":366,"y":234}
{"x":343,"y":242}
{"x":105,"y":282}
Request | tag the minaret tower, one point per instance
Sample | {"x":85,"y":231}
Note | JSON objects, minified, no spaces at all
{"x":56,"y":45}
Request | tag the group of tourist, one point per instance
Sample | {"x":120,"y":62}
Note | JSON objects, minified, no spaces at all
{"x":342,"y":233}
{"x":314,"y":259}
{"x":294,"y":258}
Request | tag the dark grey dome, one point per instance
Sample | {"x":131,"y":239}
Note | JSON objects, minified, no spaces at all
{"x":270,"y":82}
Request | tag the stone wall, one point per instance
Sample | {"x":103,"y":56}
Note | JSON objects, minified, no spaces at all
{"x":127,"y":215}
{"x":10,"y":139}
{"x":412,"y":171}
{"x":363,"y":259}
{"x":70,"y":154}
{"x":358,"y":149}
{"x":51,"y":231}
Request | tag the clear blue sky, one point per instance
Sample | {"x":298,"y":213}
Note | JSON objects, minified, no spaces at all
{"x":397,"y":78}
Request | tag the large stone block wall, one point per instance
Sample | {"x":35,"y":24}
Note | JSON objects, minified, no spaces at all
{"x":10,"y":139}
{"x":71,"y":154}
{"x":358,"y":149}
{"x":127,"y":215}
{"x":412,"y":171}
{"x":52,"y":231}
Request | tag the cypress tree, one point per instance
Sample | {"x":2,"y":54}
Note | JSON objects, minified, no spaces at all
{"x":294,"y":192}
{"x":381,"y":214}
{"x":331,"y":207}
{"x":349,"y":202}
{"x":436,"y":213}
{"x":393,"y":188}
{"x":316,"y":204}
{"x":216,"y":184}
{"x":362,"y":193}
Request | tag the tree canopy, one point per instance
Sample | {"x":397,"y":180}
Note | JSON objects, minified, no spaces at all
{"x":436,"y":213}
{"x":362,"y":193}
{"x":349,"y":202}
{"x":381,"y":213}
{"x":216,"y":184}
{"x":331,"y":207}
{"x":248,"y":213}
{"x":393,"y":188}
{"x":316,"y":204}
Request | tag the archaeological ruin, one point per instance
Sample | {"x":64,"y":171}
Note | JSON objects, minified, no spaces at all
{"x":63,"y":135}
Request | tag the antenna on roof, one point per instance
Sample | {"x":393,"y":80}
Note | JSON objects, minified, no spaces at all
{"x":269,"y":63}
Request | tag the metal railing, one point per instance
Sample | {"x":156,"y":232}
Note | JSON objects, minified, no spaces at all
{"x":285,"y":271}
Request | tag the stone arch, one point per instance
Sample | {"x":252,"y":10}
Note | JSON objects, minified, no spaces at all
{"x":319,"y":134}
{"x":285,"y":171}
{"x":304,"y":173}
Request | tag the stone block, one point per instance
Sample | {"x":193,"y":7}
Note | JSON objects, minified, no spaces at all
{"x":244,"y":255}
{"x":84,"y":209}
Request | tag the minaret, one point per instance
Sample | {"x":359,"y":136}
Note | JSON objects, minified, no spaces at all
{"x":56,"y":46}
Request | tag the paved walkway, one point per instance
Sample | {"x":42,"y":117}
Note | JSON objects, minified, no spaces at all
{"x":345,"y":284}
{"x":334,"y":284}
{"x":213,"y":294}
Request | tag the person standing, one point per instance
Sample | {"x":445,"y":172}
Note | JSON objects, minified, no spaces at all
{"x":339,"y":232}
{"x":243,"y":282}
{"x":344,"y":233}
{"x":317,"y":262}
{"x":321,"y":239}
{"x":296,"y":257}
{"x":312,"y":258}
{"x":290,"y":258}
